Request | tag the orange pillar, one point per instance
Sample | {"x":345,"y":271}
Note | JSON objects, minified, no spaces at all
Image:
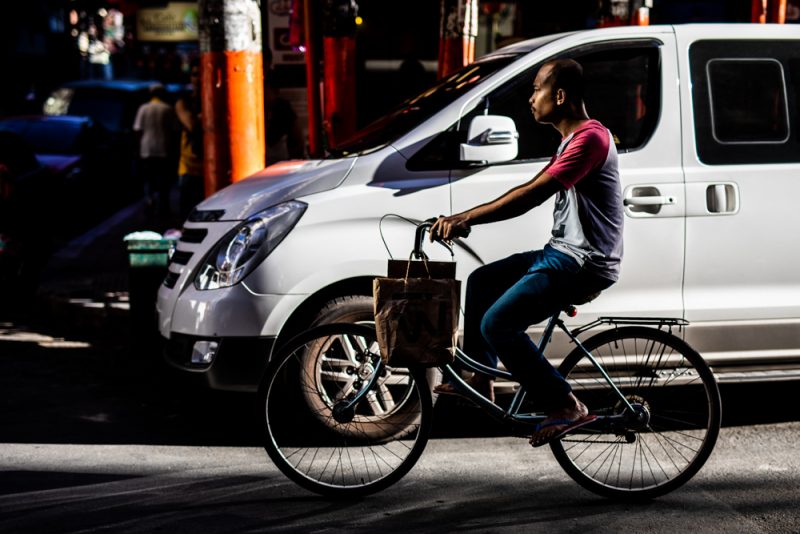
{"x":232,"y":88}
{"x":458,"y":28}
{"x":641,"y":16}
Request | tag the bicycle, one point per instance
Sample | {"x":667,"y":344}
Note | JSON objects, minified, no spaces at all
{"x":656,"y":400}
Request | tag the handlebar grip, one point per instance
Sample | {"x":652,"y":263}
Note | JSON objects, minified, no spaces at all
{"x":419,"y":238}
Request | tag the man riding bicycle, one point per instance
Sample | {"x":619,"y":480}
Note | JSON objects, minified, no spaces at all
{"x":582,"y":257}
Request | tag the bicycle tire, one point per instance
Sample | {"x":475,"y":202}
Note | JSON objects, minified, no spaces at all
{"x":347,"y":459}
{"x":663,"y":377}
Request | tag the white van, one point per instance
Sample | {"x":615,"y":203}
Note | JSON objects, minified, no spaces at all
{"x":705,"y":118}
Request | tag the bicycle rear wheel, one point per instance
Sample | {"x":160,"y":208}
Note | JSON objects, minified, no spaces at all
{"x":326,"y":450}
{"x":674,"y":428}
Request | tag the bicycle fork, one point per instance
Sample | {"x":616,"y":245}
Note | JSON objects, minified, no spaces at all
{"x":345,"y":409}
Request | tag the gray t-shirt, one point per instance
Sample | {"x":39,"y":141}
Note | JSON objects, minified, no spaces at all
{"x":588,"y":216}
{"x":159,"y":125}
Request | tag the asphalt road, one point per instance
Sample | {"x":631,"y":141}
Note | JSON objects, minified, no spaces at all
{"x":751,"y":484}
{"x":95,"y":435}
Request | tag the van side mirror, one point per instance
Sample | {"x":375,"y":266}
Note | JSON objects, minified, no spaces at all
{"x":490,"y":139}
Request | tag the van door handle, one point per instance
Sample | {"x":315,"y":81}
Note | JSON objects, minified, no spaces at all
{"x":722,"y":198}
{"x":649,"y":201}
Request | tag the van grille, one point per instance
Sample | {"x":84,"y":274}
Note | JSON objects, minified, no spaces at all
{"x":181,"y":257}
{"x":194,"y":235}
{"x":171,"y":279}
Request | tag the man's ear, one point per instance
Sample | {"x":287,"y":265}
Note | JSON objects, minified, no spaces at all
{"x":561,"y":97}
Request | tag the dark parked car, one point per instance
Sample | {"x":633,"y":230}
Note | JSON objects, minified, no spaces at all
{"x":89,"y":169}
{"x":25,"y":219}
{"x":112,"y":104}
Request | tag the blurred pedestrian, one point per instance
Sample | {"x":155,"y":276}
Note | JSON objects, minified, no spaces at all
{"x":190,"y":165}
{"x":157,"y":127}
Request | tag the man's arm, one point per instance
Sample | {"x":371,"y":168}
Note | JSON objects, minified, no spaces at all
{"x":187,"y":120}
{"x":513,"y":203}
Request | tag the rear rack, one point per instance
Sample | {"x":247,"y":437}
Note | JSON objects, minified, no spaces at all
{"x":658,"y":322}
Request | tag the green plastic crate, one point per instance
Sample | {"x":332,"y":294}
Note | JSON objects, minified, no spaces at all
{"x":149,"y":253}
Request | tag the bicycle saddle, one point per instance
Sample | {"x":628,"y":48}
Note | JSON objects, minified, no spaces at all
{"x":586,"y":299}
{"x":570,"y":309}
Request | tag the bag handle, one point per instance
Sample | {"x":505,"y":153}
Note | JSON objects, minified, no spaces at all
{"x":408,"y":267}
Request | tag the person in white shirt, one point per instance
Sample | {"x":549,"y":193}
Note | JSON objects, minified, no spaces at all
{"x":157,"y":127}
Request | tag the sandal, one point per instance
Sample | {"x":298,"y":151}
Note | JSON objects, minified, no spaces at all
{"x":542,"y":437}
{"x":484,"y":386}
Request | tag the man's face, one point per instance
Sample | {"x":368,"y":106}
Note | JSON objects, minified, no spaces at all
{"x":543,"y":99}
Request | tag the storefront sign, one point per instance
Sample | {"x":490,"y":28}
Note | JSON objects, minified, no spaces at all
{"x":282,"y":51}
{"x":176,"y":22}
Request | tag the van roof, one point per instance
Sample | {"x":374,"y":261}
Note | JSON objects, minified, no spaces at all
{"x":708,"y":30}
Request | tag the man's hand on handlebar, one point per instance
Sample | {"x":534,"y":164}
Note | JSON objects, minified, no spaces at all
{"x":447,"y":228}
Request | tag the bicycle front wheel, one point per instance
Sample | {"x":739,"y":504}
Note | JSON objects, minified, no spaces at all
{"x":335,"y":452}
{"x":671,"y":431}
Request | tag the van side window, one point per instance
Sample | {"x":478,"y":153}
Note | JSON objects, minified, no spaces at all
{"x":745,"y":101}
{"x":623,"y":85}
{"x":623,"y":91}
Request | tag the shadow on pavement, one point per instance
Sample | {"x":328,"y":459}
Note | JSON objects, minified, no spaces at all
{"x":28,"y":481}
{"x":58,"y":390}
{"x":109,"y":390}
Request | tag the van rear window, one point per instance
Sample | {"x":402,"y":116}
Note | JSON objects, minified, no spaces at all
{"x":745,"y":101}
{"x":748,"y":101}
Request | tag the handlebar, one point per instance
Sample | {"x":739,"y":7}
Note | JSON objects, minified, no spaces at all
{"x":419,"y":237}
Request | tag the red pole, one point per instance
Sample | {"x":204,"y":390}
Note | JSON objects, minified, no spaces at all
{"x":340,"y":88}
{"x":458,"y":28}
{"x":776,"y":11}
{"x":339,"y":59}
{"x":764,"y":11}
{"x":232,"y":88}
{"x":758,"y":11}
{"x":311,"y":14}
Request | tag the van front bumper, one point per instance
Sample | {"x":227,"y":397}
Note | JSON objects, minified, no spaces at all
{"x":237,"y":363}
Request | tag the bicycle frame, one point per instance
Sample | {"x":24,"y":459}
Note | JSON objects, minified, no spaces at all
{"x":512,"y":413}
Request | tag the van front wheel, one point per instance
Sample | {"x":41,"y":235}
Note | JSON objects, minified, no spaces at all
{"x":391,"y":410}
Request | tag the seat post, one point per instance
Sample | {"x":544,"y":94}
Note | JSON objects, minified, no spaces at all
{"x":548,"y":331}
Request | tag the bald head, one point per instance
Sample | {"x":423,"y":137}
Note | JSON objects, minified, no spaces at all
{"x":567,"y":75}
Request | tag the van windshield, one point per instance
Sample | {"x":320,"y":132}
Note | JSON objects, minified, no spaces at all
{"x":419,"y":108}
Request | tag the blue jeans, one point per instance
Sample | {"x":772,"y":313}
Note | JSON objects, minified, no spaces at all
{"x":507,"y":296}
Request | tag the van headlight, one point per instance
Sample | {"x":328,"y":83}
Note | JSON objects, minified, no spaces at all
{"x":241,"y":250}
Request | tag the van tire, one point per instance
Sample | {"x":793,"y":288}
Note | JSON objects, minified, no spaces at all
{"x":359,"y":309}
{"x":347,"y":309}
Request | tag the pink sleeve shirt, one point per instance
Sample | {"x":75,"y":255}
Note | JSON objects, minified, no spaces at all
{"x":588,"y":216}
